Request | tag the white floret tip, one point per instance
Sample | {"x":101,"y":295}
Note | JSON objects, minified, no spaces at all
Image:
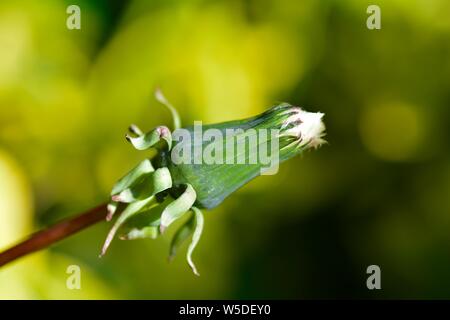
{"x":308,"y":127}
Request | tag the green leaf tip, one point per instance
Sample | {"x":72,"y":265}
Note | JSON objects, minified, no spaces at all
{"x":159,"y":96}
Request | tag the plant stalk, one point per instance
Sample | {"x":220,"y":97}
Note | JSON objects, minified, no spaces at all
{"x":53,"y":234}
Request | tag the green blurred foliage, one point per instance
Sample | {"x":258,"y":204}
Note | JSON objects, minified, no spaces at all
{"x":376,"y":194}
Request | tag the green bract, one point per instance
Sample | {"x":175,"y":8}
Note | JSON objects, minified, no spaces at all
{"x":199,"y":166}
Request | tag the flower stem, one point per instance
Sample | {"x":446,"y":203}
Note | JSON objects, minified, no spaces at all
{"x":53,"y":234}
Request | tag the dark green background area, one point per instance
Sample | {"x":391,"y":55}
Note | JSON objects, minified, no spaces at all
{"x":377,"y":193}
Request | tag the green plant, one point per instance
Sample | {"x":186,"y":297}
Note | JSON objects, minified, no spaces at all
{"x":161,"y":190}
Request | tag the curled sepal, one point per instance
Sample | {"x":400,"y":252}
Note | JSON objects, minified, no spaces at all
{"x":134,"y":129}
{"x":162,"y":99}
{"x":184,"y":232}
{"x":150,"y":184}
{"x":143,"y":224}
{"x":151,"y":138}
{"x":179,"y":206}
{"x":131,"y":210}
{"x":112,"y":208}
{"x":146,"y":232}
{"x":195,"y":238}
{"x":132,"y":176}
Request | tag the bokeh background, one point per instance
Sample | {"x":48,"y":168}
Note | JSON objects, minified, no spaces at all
{"x":378,"y":193}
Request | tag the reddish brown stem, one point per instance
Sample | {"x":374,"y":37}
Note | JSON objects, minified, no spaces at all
{"x":53,"y":234}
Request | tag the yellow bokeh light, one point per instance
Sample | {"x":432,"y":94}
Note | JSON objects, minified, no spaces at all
{"x":15,"y":202}
{"x":392,"y":131}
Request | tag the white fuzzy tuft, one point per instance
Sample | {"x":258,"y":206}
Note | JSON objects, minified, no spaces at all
{"x":308,"y":127}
